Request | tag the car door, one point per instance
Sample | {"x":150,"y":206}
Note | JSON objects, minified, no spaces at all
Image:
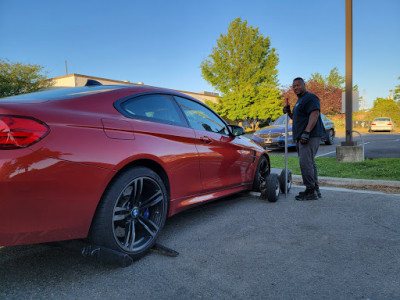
{"x":224,"y":160}
{"x":162,"y":133}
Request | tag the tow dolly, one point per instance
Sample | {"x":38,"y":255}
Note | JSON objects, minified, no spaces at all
{"x":271,"y":185}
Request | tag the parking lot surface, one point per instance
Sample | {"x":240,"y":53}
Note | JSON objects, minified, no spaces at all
{"x":344,"y":246}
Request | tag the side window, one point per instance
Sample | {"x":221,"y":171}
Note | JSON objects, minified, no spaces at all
{"x":156,"y":108}
{"x":201,"y":118}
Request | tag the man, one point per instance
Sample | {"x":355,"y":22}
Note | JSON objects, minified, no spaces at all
{"x":307,"y":132}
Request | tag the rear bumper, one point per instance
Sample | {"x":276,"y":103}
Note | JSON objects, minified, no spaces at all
{"x":381,"y":128}
{"x":45,"y":199}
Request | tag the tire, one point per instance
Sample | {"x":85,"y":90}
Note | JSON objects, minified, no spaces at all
{"x":131,"y":213}
{"x":282,"y":181}
{"x":330,"y":137}
{"x":273,"y":190}
{"x":262,"y":170}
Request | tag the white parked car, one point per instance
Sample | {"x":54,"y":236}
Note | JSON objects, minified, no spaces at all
{"x":381,"y":124}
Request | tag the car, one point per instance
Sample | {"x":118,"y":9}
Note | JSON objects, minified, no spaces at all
{"x":109,"y":164}
{"x":273,"y":136}
{"x":381,"y":124}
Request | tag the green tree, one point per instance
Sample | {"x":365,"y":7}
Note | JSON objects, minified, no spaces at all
{"x":243,"y":68}
{"x":397,"y":93}
{"x":335,"y":79}
{"x":18,"y":78}
{"x":386,"y":108}
{"x":318,"y":78}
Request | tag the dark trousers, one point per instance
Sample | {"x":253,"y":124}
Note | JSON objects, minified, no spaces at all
{"x":308,"y":167}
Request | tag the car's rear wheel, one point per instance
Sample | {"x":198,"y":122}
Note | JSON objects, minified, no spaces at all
{"x":131,"y":213}
{"x":262,"y":171}
{"x":330,"y":137}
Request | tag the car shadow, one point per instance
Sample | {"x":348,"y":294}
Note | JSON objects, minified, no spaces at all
{"x":31,"y":265}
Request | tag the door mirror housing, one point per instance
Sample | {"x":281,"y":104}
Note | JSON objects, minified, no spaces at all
{"x":236,"y":130}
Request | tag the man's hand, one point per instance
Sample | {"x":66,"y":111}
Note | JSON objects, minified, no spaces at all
{"x":286,"y":109}
{"x":305,"y":137}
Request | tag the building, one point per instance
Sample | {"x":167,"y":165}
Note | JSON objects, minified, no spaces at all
{"x":355,"y":101}
{"x":75,"y":80}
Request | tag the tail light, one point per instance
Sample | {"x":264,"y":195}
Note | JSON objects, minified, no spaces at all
{"x":20,"y":132}
{"x":389,"y":123}
{"x":373,"y":124}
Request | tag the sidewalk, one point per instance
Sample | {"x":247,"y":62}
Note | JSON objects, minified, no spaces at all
{"x":351,"y":183}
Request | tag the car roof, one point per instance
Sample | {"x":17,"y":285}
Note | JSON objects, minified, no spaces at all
{"x":76,"y":92}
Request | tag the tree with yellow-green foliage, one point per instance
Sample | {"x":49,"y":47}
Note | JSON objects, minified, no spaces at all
{"x":386,"y":108}
{"x":243,"y":68}
{"x":397,"y":93}
{"x":18,"y":78}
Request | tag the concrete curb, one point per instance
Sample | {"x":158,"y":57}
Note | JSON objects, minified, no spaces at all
{"x":363,"y":184}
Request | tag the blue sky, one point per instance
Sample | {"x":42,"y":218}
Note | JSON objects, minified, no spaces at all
{"x":162,"y":43}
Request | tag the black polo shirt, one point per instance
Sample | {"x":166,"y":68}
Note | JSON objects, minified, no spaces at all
{"x":301,"y":112}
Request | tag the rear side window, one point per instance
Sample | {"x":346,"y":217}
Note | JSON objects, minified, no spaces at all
{"x":201,"y":118}
{"x":156,"y":108}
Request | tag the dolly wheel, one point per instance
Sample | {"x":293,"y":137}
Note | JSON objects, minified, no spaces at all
{"x":272,"y":187}
{"x":282,"y":181}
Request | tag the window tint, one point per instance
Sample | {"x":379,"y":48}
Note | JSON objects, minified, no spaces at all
{"x":157,"y":108}
{"x":201,"y":118}
{"x":281,"y":121}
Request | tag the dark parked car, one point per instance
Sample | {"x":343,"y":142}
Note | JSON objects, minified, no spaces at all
{"x":273,"y":136}
{"x":110,"y":163}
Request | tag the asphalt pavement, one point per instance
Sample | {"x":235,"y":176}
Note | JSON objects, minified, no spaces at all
{"x":343,"y":246}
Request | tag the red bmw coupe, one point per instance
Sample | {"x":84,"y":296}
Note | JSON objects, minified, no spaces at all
{"x":110,"y":163}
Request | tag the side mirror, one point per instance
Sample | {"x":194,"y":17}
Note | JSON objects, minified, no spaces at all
{"x":236,"y":130}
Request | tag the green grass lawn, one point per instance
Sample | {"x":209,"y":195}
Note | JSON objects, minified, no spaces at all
{"x":377,"y":169}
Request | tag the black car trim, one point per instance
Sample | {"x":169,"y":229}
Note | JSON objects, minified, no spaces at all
{"x":119,"y":103}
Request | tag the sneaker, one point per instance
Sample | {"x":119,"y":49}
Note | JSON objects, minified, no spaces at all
{"x":307,"y":195}
{"x":316,"y":190}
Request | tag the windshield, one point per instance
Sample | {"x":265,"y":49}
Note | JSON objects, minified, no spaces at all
{"x":281,"y":121}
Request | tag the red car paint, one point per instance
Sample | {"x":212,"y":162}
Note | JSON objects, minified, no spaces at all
{"x":49,"y":191}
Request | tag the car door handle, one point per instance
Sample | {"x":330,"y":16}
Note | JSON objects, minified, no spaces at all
{"x":206,"y":139}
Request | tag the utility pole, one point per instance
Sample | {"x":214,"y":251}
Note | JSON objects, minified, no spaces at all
{"x":349,"y":151}
{"x":349,"y":74}
{"x":66,"y":68}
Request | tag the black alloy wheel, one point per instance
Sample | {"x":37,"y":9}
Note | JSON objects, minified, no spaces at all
{"x":262,"y":171}
{"x":132,"y":212}
{"x":330,"y":137}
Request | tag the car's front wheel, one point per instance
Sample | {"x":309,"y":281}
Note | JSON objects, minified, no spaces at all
{"x":330,"y":137}
{"x":131,"y":213}
{"x":263,"y":169}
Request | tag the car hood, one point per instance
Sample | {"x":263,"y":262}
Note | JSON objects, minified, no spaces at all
{"x":248,"y":143}
{"x":273,"y":129}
